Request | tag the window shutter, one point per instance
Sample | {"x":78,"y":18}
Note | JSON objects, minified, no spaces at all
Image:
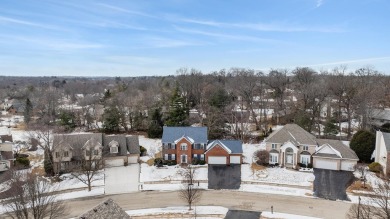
{"x":173,"y":157}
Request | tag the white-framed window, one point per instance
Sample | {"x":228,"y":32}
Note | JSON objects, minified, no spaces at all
{"x":95,"y":152}
{"x":66,"y":153}
{"x":87,"y":153}
{"x":274,"y":146}
{"x":183,"y":146}
{"x":57,"y":154}
{"x":273,"y":158}
{"x":305,"y":159}
{"x":305,"y":148}
{"x":198,"y":146}
{"x":202,"y":157}
{"x":169,"y":157}
{"x":114,"y":149}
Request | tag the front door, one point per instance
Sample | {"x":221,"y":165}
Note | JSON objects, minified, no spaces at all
{"x":289,"y":159}
{"x":183,"y":158}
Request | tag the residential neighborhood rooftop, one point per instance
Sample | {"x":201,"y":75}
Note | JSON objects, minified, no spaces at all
{"x":293,"y":133}
{"x":197,"y":134}
{"x":344,"y":150}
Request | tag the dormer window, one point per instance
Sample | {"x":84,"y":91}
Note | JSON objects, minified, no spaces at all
{"x":305,"y":148}
{"x":66,"y":153}
{"x":113,"y":147}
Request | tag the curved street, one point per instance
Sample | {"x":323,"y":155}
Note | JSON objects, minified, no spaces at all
{"x":231,"y":199}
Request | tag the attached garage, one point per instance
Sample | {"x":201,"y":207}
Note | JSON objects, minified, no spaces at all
{"x":114,"y":162}
{"x":235,"y":159}
{"x":328,"y":164}
{"x":217,"y":160}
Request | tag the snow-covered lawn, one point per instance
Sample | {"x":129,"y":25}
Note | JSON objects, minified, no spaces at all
{"x":152,"y":146}
{"x":249,"y":150}
{"x":169,"y":173}
{"x":268,"y":214}
{"x":69,"y":182}
{"x":275,"y":190}
{"x":276,"y":175}
{"x":199,"y":210}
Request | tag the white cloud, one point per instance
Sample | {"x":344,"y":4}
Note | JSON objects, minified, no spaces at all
{"x":319,"y":3}
{"x":9,"y":20}
{"x":124,"y":10}
{"x":366,"y":60}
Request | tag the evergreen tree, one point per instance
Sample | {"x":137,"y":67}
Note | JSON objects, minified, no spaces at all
{"x":330,"y":128}
{"x":155,"y":129}
{"x":363,"y":143}
{"x":67,"y":120}
{"x":178,"y":110}
{"x":28,"y":111}
{"x":111,"y":119}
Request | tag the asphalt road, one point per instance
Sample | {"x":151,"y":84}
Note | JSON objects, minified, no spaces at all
{"x":233,"y":200}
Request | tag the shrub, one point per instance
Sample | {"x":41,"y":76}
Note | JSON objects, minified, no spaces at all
{"x":158,"y":162}
{"x":310,"y":165}
{"x":276,"y":164}
{"x":195,"y":161}
{"x":375,"y":167}
{"x":202,"y":162}
{"x":142,"y":150}
{"x":262,"y":157}
{"x":171,"y":163}
{"x":22,"y":162}
{"x":363,"y":143}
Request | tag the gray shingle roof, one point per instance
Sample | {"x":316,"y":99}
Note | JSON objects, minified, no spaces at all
{"x":293,"y":133}
{"x":233,"y":145}
{"x":386,"y":138}
{"x":107,"y":209}
{"x":121,"y":139}
{"x":380,"y":114}
{"x":171,"y":134}
{"x":76,"y":141}
{"x":326,"y":155}
{"x":133,"y":144}
{"x":344,"y":150}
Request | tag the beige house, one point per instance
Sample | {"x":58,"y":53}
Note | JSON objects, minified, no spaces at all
{"x":382,"y":150}
{"x":292,"y":145}
{"x":69,"y":150}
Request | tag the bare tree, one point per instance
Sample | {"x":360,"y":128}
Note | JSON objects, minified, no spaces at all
{"x":89,"y":167}
{"x":189,"y":192}
{"x":362,"y":169}
{"x":32,"y":197}
{"x":360,"y":211}
{"x":261,"y":157}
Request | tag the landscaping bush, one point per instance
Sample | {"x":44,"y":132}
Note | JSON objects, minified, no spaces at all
{"x":276,"y":164}
{"x":202,"y":162}
{"x":375,"y":167}
{"x":142,"y":150}
{"x":363,"y":143}
{"x":195,"y":161}
{"x":302,"y":165}
{"x":22,"y":162}
{"x":158,"y":162}
{"x":262,"y":157}
{"x":171,"y":163}
{"x":310,"y":165}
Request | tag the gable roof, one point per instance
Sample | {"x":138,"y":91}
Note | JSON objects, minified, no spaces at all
{"x":107,"y":209}
{"x":344,"y":150}
{"x":171,"y":134}
{"x":380,"y":114}
{"x":133,"y":144}
{"x":231,"y":146}
{"x":76,"y":141}
{"x":121,"y":139}
{"x":293,"y":133}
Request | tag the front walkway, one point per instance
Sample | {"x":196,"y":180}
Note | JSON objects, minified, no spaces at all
{"x":121,"y":179}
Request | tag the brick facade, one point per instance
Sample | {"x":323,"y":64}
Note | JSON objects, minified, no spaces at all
{"x":218,"y":150}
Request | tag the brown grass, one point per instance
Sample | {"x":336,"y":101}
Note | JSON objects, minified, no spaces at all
{"x":150,"y":162}
{"x":358,"y":185}
{"x":254,"y":167}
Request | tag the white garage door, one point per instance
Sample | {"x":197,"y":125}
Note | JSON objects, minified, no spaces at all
{"x":235,"y":159}
{"x":115,"y":163}
{"x":328,"y":164}
{"x":217,"y":160}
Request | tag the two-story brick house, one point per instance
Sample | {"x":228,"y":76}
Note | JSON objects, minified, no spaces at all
{"x":183,"y":144}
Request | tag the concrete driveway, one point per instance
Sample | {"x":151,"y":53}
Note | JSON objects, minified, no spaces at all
{"x":121,"y":179}
{"x":224,"y":177}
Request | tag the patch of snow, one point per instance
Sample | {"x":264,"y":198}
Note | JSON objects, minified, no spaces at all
{"x":278,"y":215}
{"x":275,"y":190}
{"x":80,"y":194}
{"x":249,"y":150}
{"x":69,"y":182}
{"x":217,"y":210}
{"x":166,"y":173}
{"x":276,"y":175}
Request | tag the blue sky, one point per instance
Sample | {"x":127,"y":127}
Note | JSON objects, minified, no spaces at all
{"x":145,"y":37}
